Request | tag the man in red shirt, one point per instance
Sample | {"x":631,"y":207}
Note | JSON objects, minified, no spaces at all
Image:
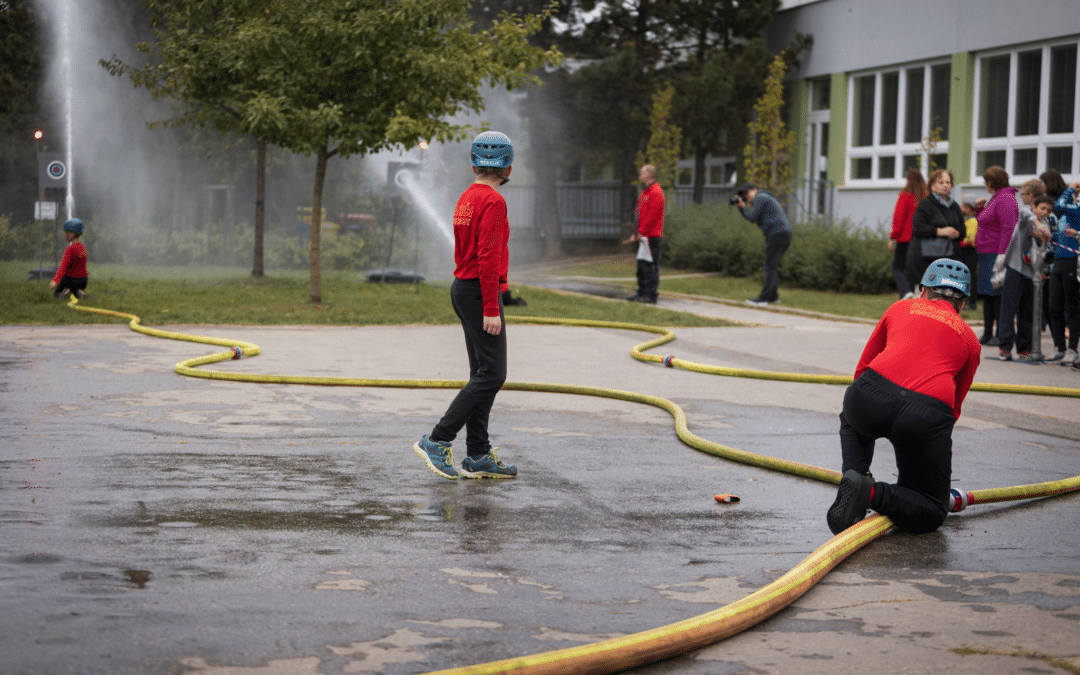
{"x":649,"y":215}
{"x":909,"y":386}
{"x":481,"y":255}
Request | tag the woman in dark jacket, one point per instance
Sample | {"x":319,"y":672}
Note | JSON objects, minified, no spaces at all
{"x":937,"y":217}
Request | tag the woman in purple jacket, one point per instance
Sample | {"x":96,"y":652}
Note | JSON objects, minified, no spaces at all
{"x":997,"y":219}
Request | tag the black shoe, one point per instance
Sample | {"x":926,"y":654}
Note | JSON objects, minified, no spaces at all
{"x":852,"y":501}
{"x":634,"y":298}
{"x":985,"y":339}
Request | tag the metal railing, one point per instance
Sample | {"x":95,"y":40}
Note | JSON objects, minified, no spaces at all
{"x":592,"y":209}
{"x":602,"y":210}
{"x":812,"y":198}
{"x":684,"y":196}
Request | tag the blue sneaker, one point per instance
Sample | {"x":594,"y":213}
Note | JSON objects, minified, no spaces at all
{"x":438,"y":455}
{"x":487,"y":466}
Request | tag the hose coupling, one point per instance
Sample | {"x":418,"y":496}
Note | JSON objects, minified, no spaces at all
{"x":667,"y":360}
{"x":958,"y":500}
{"x":237,"y":353}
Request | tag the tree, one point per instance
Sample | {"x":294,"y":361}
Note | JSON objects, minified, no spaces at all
{"x":21,"y":74}
{"x":709,"y":49}
{"x":333,"y":77}
{"x":769,"y":150}
{"x":721,"y":63}
{"x":665,"y":139}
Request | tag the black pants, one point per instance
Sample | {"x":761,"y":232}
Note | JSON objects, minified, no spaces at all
{"x":648,"y":273}
{"x":1015,"y":318}
{"x":920,"y":430}
{"x":1064,"y":303}
{"x":72,"y":283}
{"x":487,"y":371}
{"x":775,"y":246}
{"x":899,"y":268}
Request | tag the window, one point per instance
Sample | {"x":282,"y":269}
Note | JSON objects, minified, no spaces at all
{"x":720,"y":174}
{"x":1063,"y":85}
{"x":821,"y":90}
{"x":899,"y":120}
{"x":913,"y":106}
{"x":862,"y":133}
{"x":1026,"y":111}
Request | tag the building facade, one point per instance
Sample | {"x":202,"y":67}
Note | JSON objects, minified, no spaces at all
{"x":957,"y":84}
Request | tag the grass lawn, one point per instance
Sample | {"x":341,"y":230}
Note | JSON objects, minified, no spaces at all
{"x":224,"y":295}
{"x":232,"y":296}
{"x":622,"y":273}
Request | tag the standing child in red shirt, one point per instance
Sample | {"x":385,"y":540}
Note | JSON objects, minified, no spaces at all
{"x":71,"y":275}
{"x":481,"y":255}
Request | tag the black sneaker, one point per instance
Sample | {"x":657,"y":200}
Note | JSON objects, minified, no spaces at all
{"x":852,"y":501}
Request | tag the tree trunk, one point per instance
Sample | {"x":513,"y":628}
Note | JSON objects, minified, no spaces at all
{"x":316,"y":223}
{"x":260,"y":206}
{"x":699,"y":175}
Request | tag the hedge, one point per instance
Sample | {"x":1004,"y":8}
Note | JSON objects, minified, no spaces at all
{"x":716,"y":238}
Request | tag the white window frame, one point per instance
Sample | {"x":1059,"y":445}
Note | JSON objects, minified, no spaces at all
{"x":897,"y":150}
{"x":1042,"y":140}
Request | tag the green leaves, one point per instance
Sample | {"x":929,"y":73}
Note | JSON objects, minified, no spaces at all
{"x":331,"y":77}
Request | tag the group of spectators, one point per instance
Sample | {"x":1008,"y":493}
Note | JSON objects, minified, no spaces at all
{"x":1010,"y":242}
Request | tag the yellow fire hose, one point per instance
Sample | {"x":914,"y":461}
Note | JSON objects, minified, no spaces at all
{"x":653,"y":645}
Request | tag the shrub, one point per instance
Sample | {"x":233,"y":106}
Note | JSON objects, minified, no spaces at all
{"x":716,"y":238}
{"x":19,"y":242}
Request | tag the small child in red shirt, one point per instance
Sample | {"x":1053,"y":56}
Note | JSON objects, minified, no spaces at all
{"x":71,"y":274}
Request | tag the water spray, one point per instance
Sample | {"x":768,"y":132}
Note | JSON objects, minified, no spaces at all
{"x":405,"y":180}
{"x":68,"y":85}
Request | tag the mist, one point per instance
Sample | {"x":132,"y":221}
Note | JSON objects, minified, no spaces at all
{"x":163,"y":182}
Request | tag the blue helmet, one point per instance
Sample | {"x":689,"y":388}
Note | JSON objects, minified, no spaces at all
{"x":492,"y":149}
{"x":948,"y":273}
{"x":74,"y":225}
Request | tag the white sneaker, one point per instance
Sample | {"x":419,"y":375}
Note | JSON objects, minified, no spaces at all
{"x":907,"y":296}
{"x":1057,"y":356}
{"x":1070,"y":357}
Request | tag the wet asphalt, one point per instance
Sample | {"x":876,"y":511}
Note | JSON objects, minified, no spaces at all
{"x":152,"y":523}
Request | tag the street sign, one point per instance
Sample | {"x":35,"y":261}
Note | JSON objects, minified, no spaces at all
{"x":45,"y":210}
{"x":56,"y":170}
{"x":52,"y":170}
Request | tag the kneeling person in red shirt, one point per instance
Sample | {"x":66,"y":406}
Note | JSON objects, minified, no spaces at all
{"x":71,"y":275}
{"x":909,"y":385}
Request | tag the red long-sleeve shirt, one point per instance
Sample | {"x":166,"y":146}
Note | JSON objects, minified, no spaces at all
{"x":924,"y":346}
{"x":901,"y":217}
{"x":73,"y":264}
{"x":650,"y":211}
{"x":481,"y":237}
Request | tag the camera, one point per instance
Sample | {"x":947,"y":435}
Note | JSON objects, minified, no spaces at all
{"x":734,"y":199}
